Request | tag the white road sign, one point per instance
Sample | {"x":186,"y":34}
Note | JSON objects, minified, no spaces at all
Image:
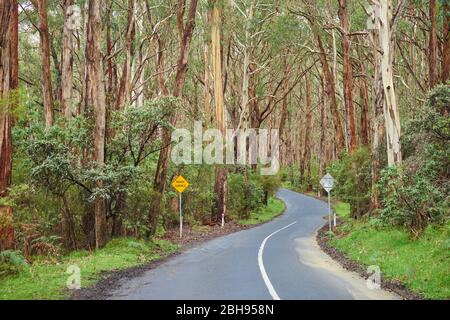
{"x":327,"y":182}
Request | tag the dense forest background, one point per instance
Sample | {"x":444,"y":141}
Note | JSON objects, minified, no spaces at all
{"x":91,"y":91}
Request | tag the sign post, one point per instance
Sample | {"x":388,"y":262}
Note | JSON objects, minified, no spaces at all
{"x":327,"y":182}
{"x":180,"y":184}
{"x":181,"y":219}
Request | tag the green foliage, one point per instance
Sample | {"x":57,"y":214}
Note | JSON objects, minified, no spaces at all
{"x":291,"y":177}
{"x":412,"y":200}
{"x":270,"y":185}
{"x":135,"y":130}
{"x":137,"y":208}
{"x":51,"y":152}
{"x":11,"y":262}
{"x":197,"y":198}
{"x":44,"y":279}
{"x":54,"y":175}
{"x":33,"y":206}
{"x":422,"y":264}
{"x":342,"y":210}
{"x":417,"y":193}
{"x":285,"y":31}
{"x":274,"y":208}
{"x":353,"y":180}
{"x":244,"y":195}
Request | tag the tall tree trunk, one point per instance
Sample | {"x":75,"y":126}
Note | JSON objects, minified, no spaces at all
{"x":391,"y":114}
{"x":245,"y":68}
{"x":306,"y":155}
{"x":41,"y":8}
{"x":187,"y":30}
{"x":95,"y":97}
{"x":446,"y":44}
{"x":378,"y":107}
{"x":364,"y":100}
{"x":9,"y":82}
{"x":207,"y":72}
{"x":220,"y":187}
{"x":207,"y":77}
{"x":124,"y":95}
{"x":348,"y":73}
{"x":432,"y":48}
{"x":384,"y":94}
{"x":140,"y":66}
{"x":322,"y":153}
{"x":67,"y":62}
{"x":110,"y":92}
{"x":81,"y":109}
{"x":378,"y":132}
{"x":364,"y":94}
{"x":331,"y":93}
{"x":284,"y":111}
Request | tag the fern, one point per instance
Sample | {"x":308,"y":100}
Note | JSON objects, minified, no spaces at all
{"x":11,"y":262}
{"x":13,"y":257}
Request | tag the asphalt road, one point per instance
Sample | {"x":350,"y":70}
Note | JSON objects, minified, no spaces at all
{"x":277,"y":260}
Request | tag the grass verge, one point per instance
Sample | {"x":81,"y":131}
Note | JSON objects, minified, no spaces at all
{"x":266,"y":213}
{"x":423,"y":265}
{"x":342,"y":210}
{"x":46,"y":278}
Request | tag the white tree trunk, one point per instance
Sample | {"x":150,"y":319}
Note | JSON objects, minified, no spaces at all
{"x":391,"y":114}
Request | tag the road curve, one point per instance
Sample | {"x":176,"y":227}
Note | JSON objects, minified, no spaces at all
{"x":277,"y":260}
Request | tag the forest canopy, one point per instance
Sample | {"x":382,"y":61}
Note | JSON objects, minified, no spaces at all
{"x":91,"y":91}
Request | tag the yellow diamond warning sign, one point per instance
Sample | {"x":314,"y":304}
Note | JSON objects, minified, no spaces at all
{"x":180,"y":184}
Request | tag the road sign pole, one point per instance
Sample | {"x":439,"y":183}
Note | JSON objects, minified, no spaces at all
{"x":180,"y":184}
{"x":329,"y":211}
{"x":334,"y":216}
{"x":181,"y":219}
{"x":327,"y":182}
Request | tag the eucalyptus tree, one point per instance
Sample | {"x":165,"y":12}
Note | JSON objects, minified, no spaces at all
{"x":96,"y":98}
{"x":185,"y":33}
{"x":9,"y":83}
{"x":220,"y":186}
{"x":41,"y":8}
{"x":67,"y":60}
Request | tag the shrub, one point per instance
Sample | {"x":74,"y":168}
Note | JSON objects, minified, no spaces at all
{"x":58,"y":185}
{"x":292,"y":178}
{"x":269,"y":185}
{"x":198,"y":197}
{"x":244,"y":195}
{"x":411,"y":200}
{"x":352,"y":176}
{"x":11,"y":262}
{"x":137,"y":208}
{"x":417,"y":193}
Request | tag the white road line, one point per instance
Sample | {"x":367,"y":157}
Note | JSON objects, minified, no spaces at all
{"x":264,"y":275}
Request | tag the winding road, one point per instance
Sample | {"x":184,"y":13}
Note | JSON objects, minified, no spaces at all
{"x":277,"y":260}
